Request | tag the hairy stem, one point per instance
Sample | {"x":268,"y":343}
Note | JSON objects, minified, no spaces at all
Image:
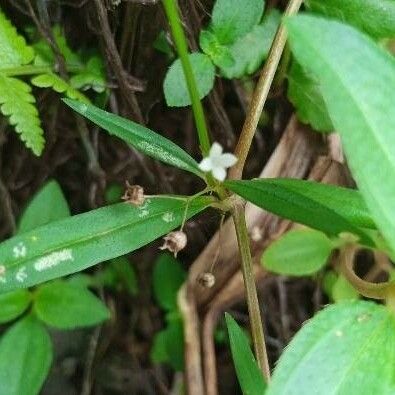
{"x":182,"y":49}
{"x":260,"y":94}
{"x":238,"y":214}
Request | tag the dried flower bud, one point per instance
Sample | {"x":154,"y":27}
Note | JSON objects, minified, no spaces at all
{"x":206,"y":280}
{"x":175,"y":242}
{"x":134,"y":194}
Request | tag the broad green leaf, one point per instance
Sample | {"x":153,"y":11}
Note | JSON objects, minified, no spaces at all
{"x":175,"y":86}
{"x":65,"y":306}
{"x":232,"y":19}
{"x":252,"y":49}
{"x":304,"y":93}
{"x":18,"y":104}
{"x":357,"y":81}
{"x":143,"y":139}
{"x":47,"y":205}
{"x":249,"y":375}
{"x":298,"y":253}
{"x":76,"y":243}
{"x":315,"y":205}
{"x":167,"y":278}
{"x":348,"y":348}
{"x":25,"y":358}
{"x":376,"y":17}
{"x":13,"y":304}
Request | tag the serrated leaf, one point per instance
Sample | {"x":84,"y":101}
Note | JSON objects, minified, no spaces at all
{"x":13,"y":48}
{"x":232,"y":19}
{"x":249,"y":375}
{"x":167,"y":278}
{"x":298,"y":253}
{"x":25,"y":358}
{"x":175,"y":86}
{"x":334,"y":352}
{"x":13,"y":304}
{"x":65,"y":306}
{"x":376,"y":17}
{"x":143,"y":139}
{"x":316,"y":205}
{"x":252,"y":49}
{"x":73,"y":244}
{"x":304,"y":93}
{"x":18,"y":104}
{"x":47,"y":205}
{"x":357,"y":80}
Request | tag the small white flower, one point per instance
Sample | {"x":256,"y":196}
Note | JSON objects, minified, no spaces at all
{"x":217,"y":162}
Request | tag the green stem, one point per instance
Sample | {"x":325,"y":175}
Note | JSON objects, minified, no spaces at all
{"x":238,"y":214}
{"x":182,"y":49}
{"x":32,"y":70}
{"x":260,"y":94}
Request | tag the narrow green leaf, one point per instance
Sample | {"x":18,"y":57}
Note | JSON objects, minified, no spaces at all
{"x":47,"y":205}
{"x":25,"y":358}
{"x":232,"y":19}
{"x":65,"y":306}
{"x":316,"y":205}
{"x":175,"y":86}
{"x":348,"y":348}
{"x":375,"y":17}
{"x":357,"y":80}
{"x":75,"y":243}
{"x":298,"y":253}
{"x":167,"y":278}
{"x":249,"y":375}
{"x":143,"y":139}
{"x":13,"y":304}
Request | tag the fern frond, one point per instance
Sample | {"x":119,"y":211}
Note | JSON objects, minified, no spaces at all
{"x":17,"y":102}
{"x":13,"y":48}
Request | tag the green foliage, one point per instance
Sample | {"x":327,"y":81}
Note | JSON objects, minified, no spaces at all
{"x":140,"y":137}
{"x":64,"y":306}
{"x":298,"y":253}
{"x":92,"y":76}
{"x":343,"y":290}
{"x":175,"y":85}
{"x":250,"y":377}
{"x":13,"y":304}
{"x":25,"y":358}
{"x":375,"y":17}
{"x":308,"y":203}
{"x":357,"y":81}
{"x":348,"y":348}
{"x":47,"y":205}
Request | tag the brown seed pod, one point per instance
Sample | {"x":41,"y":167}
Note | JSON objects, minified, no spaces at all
{"x":134,"y":194}
{"x":174,"y":242}
{"x":206,"y":280}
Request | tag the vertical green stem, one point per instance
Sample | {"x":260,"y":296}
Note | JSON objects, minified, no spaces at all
{"x":238,"y":213}
{"x":182,"y":49}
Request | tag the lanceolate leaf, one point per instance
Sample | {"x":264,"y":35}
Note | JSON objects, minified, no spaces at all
{"x":143,"y":139}
{"x":357,"y":80}
{"x":73,"y":244}
{"x":348,"y":348}
{"x":308,"y":203}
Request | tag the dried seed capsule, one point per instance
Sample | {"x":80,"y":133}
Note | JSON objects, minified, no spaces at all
{"x":134,"y":194}
{"x":206,"y":280}
{"x":175,"y":242}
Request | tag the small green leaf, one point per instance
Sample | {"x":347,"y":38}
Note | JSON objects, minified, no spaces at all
{"x":143,"y":139}
{"x":249,"y":375}
{"x":76,"y":243}
{"x":343,"y":290}
{"x":175,"y":86}
{"x":13,"y":304}
{"x":92,"y":76}
{"x":167,"y":279}
{"x":218,"y":53}
{"x":316,"y":205}
{"x":47,"y":205}
{"x":304,"y":93}
{"x":232,"y":19}
{"x":375,"y":17}
{"x":357,"y":81}
{"x":348,"y":348}
{"x":25,"y":358}
{"x":298,"y":253}
{"x":65,"y":306}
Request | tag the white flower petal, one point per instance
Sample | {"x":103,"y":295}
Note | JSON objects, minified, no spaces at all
{"x":215,"y":150}
{"x":219,"y":173}
{"x":227,"y":160}
{"x":206,"y":164}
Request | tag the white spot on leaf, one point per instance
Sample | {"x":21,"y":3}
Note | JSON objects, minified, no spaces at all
{"x":53,"y":259}
{"x":19,"y":251}
{"x":21,"y":274}
{"x":168,"y":216}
